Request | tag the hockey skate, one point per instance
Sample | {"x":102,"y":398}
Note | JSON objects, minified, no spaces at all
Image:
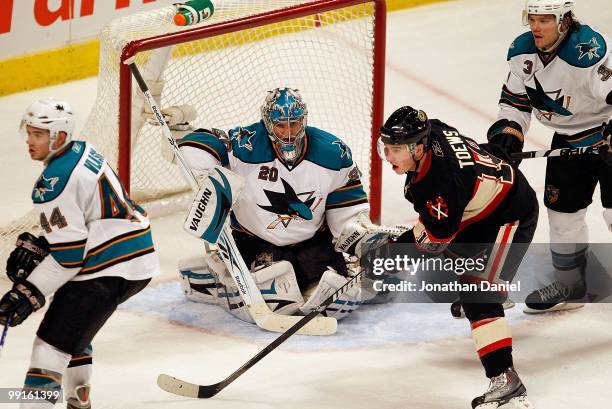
{"x":506,"y":391}
{"x":556,"y":297}
{"x":80,"y":400}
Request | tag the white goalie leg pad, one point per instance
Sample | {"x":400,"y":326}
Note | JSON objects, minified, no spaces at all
{"x":279,"y":287}
{"x":330,"y":282}
{"x":228,"y":295}
{"x":219,"y":190}
{"x":607,"y":215}
{"x":198,"y":281}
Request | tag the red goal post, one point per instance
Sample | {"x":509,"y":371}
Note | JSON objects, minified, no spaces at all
{"x":310,"y":16}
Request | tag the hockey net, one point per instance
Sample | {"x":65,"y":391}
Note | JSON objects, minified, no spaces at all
{"x":332,"y":51}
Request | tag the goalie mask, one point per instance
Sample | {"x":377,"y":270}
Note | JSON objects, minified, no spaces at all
{"x":50,"y":114}
{"x":284,"y":114}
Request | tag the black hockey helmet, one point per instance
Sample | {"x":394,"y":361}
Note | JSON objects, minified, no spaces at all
{"x":406,"y":126}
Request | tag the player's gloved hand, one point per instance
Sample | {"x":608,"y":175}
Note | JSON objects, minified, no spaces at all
{"x":28,"y":253}
{"x":21,"y":301}
{"x":508,"y":135}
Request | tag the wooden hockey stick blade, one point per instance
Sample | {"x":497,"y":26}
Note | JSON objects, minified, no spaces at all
{"x":273,"y":322}
{"x":177,"y":386}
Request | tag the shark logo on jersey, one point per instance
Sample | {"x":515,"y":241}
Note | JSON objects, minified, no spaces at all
{"x":546,"y":105}
{"x":589,"y":49}
{"x":344,"y":150}
{"x":288,"y":206}
{"x":43,"y":186}
{"x":244,"y":136}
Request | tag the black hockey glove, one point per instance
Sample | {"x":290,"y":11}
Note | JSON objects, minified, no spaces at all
{"x":28,"y":253}
{"x":20,"y":302}
{"x":508,"y":135}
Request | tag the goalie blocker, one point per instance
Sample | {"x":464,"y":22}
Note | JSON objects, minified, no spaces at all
{"x":219,"y":189}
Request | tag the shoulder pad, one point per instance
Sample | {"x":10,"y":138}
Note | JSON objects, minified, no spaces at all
{"x":522,"y":44}
{"x":327,"y":150}
{"x":251,"y":144}
{"x":584,"y":48}
{"x":208,"y":141}
{"x":55,"y":177}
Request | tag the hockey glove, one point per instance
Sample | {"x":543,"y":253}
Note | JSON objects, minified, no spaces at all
{"x":508,"y":135}
{"x":20,"y":302}
{"x":28,"y":253}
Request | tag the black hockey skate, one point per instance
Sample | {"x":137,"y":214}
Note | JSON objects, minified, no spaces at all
{"x":81,"y":398}
{"x":506,"y":391}
{"x":556,"y":297}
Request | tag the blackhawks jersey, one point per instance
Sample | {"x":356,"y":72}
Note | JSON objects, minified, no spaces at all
{"x":569,"y":91}
{"x":92,"y":226}
{"x":279,"y":204}
{"x":459,"y":184}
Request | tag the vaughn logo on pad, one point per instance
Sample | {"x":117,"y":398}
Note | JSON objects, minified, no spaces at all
{"x":212,"y":204}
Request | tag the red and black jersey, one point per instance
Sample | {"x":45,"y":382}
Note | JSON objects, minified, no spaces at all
{"x":459,"y":184}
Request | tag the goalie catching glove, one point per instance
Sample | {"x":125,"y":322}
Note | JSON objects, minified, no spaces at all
{"x":219,"y":190}
{"x":28,"y":253}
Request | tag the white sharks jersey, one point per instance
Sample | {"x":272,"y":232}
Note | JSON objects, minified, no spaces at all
{"x":92,"y":226}
{"x":570,"y":92}
{"x":283,"y":205}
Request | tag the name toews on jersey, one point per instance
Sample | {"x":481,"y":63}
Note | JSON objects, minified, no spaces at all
{"x":476,"y":184}
{"x":92,"y":226}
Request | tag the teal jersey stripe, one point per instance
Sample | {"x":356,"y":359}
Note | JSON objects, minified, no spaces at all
{"x":348,"y":196}
{"x":124,"y":249}
{"x":69,"y":257}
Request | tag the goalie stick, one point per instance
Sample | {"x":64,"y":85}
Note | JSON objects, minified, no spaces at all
{"x":191,"y":390}
{"x":254,"y":302}
{"x":561,"y":152}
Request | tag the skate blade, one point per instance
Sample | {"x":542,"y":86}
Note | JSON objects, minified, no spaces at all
{"x":520,"y":402}
{"x":564,"y":306}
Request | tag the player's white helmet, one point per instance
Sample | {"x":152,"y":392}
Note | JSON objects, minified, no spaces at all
{"x":285,"y":105}
{"x":558,"y":8}
{"x":53,"y":115}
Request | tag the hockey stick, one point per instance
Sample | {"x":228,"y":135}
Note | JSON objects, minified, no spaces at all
{"x":4,"y":332}
{"x":253,"y":300}
{"x":561,"y":152}
{"x":191,"y":390}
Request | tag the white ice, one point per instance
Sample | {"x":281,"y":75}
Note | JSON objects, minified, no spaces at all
{"x":448,"y":59}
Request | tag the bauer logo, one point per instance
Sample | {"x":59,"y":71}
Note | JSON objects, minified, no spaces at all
{"x":199,"y":212}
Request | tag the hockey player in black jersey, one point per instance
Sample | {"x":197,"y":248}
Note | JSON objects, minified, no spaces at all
{"x":469,"y":201}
